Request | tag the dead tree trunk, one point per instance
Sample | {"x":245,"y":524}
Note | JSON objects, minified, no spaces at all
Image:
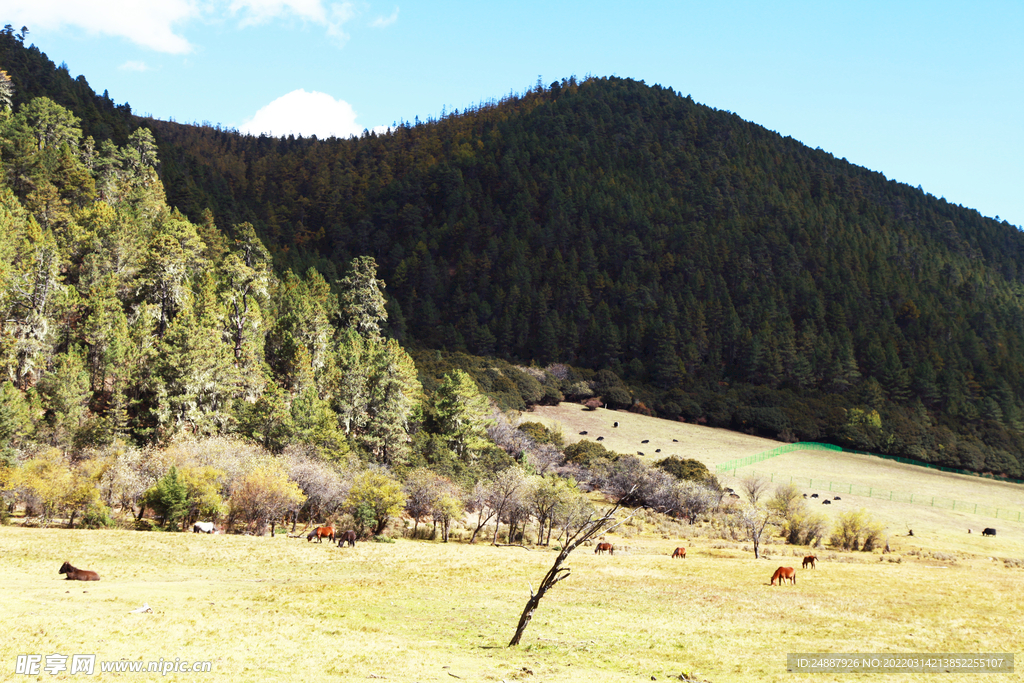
{"x":591,"y":528}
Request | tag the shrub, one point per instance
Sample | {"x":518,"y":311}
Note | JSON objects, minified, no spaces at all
{"x":684,"y":468}
{"x":803,"y":528}
{"x":618,"y":397}
{"x":585,"y":452}
{"x":857,"y":530}
{"x":541,"y":434}
{"x":375,"y":493}
{"x":640,"y":408}
{"x":97,"y":515}
{"x":261,"y":495}
{"x":577,"y":390}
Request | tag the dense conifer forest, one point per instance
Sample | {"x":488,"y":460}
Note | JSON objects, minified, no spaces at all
{"x":625,"y":241}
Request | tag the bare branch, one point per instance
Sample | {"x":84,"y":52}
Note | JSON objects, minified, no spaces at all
{"x":588,"y":530}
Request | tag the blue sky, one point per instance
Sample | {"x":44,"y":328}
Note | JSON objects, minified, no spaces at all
{"x":928,"y":93}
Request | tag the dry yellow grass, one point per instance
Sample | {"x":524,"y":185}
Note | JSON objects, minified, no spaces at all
{"x":280,"y":609}
{"x":286,"y":610}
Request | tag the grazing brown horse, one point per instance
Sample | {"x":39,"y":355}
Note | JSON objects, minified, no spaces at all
{"x":321,"y":532}
{"x":679,"y":552}
{"x":347,"y":538}
{"x":77,"y":574}
{"x":602,"y":547}
{"x":783,"y":573}
{"x":810,"y":560}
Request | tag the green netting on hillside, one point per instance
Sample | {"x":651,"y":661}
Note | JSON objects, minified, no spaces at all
{"x":734,"y":465}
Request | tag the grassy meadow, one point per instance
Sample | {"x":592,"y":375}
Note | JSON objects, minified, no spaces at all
{"x":283,"y":609}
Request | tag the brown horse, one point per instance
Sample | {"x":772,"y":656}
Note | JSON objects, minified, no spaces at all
{"x":77,"y":574}
{"x":679,"y":552}
{"x":602,"y":547}
{"x":783,"y":573}
{"x":810,"y":560}
{"x":347,"y":538}
{"x":320,"y":533}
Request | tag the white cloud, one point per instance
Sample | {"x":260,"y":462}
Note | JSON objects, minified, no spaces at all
{"x":333,"y":17}
{"x":382,"y":22}
{"x":262,"y":11}
{"x":304,"y":113}
{"x":133,"y":66}
{"x":340,"y":13}
{"x":158,"y":24}
{"x":149,"y":23}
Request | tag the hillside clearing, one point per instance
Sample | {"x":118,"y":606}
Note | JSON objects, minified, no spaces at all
{"x":841,"y":470}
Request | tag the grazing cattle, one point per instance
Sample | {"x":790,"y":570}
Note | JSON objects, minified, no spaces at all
{"x":320,"y":533}
{"x":826,"y":502}
{"x":988,"y":531}
{"x":837,"y":498}
{"x":583,"y":433}
{"x":639,"y":452}
{"x":679,"y":552}
{"x":600,"y":438}
{"x":77,"y":574}
{"x":783,"y":573}
{"x":814,"y":495}
{"x":347,"y":538}
{"x":203,"y":528}
{"x":675,"y":440}
{"x":810,"y":560}
{"x":646,"y":441}
{"x":604,"y":547}
{"x":805,"y":495}
{"x":657,"y":450}
{"x":615,"y":424}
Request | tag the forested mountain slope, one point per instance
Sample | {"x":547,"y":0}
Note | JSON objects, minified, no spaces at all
{"x":728,"y":274}
{"x":611,"y":224}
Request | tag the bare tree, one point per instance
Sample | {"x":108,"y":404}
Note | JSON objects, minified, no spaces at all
{"x":631,"y":481}
{"x":592,"y":528}
{"x":477,"y":501}
{"x":543,"y":496}
{"x":754,"y":520}
{"x":423,"y":488}
{"x":687,"y":499}
{"x":572,"y":511}
{"x":545,"y":456}
{"x":323,"y":485}
{"x":755,"y":486}
{"x":520,"y":445}
{"x":447,"y":507}
{"x":505,"y":493}
{"x":507,"y":436}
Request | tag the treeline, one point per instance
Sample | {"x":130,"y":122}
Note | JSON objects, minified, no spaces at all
{"x":719,"y":272}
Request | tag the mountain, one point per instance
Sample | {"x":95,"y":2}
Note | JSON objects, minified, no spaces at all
{"x":729,"y":275}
